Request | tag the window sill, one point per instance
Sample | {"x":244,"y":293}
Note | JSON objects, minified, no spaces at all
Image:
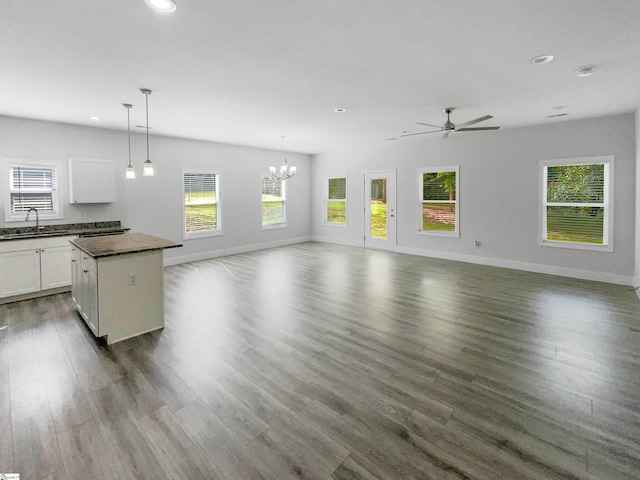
{"x":217,"y":233}
{"x":436,"y":233}
{"x":576,"y":246}
{"x":335,"y":224}
{"x":274,"y":227}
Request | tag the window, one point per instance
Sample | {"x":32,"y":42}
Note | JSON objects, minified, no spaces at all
{"x":274,"y":207}
{"x":576,"y":210}
{"x":202,"y":212}
{"x":438,"y":190}
{"x":336,"y":201}
{"x":31,"y":185}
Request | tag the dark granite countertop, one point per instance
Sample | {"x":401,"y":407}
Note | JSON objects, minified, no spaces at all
{"x":80,"y":229}
{"x":109,"y":245}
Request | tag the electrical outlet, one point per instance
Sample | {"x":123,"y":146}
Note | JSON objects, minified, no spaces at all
{"x":133,"y":279}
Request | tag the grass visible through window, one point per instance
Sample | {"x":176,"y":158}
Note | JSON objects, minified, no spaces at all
{"x":378,"y":219}
{"x":439,"y":217}
{"x":272,"y":211}
{"x":336,"y":212}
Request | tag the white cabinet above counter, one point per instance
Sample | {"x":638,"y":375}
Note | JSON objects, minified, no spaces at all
{"x":91,"y":180}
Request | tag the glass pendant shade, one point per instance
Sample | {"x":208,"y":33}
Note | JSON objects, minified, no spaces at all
{"x":130,"y":173}
{"x":148,"y":169}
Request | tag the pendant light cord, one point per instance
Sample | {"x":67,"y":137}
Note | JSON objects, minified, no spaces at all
{"x":129,"y":132}
{"x":146,"y":96}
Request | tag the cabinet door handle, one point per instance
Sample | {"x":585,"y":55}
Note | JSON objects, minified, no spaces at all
{"x":73,"y":260}
{"x":86,"y":271}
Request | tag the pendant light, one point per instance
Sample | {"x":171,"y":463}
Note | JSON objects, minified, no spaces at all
{"x":130,"y":173}
{"x":285,"y":171}
{"x":148,"y":166}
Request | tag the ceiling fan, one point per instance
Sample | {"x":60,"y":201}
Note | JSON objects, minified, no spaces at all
{"x":450,"y":127}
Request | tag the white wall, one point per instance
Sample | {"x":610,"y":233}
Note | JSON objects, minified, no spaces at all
{"x":153,"y":204}
{"x":636,"y":280}
{"x":498,"y":194}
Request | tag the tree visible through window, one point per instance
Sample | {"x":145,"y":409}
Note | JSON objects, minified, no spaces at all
{"x":337,"y":200}
{"x":438,"y":200}
{"x":575,"y":203}
{"x":274,"y":209}
{"x":201,"y":193}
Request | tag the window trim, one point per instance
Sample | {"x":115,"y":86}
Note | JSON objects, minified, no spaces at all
{"x":608,"y":161}
{"x":456,"y":202}
{"x":325,"y":221}
{"x":57,"y":213}
{"x":283,"y":224}
{"x":210,"y":233}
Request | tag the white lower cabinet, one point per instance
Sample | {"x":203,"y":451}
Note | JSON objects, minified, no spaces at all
{"x":84,"y":288}
{"x":34,"y":265}
{"x":20,"y":272}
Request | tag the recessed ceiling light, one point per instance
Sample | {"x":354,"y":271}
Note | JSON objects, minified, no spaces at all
{"x":340,"y":110}
{"x":584,"y":72}
{"x":540,"y":59}
{"x":164,"y":6}
{"x":95,"y":119}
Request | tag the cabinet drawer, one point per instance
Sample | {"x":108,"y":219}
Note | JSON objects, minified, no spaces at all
{"x":88,"y":262}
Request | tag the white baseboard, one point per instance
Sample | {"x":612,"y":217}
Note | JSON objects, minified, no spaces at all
{"x":337,"y":241}
{"x":525,"y":266}
{"x":231,"y":251}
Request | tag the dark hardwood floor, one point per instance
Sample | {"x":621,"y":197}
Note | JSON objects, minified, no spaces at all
{"x":318,"y":361}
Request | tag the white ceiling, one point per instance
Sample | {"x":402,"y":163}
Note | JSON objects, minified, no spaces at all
{"x":249,"y":71}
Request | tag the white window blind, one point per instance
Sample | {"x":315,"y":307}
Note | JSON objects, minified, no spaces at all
{"x":576,"y":203}
{"x":32,"y":187}
{"x":274,"y":209}
{"x":336,"y":200}
{"x":201,"y":192}
{"x":438,"y":188}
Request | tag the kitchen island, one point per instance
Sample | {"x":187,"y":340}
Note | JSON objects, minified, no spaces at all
{"x":117,"y":283}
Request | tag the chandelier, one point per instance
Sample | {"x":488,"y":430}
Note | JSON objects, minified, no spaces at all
{"x":285,"y":170}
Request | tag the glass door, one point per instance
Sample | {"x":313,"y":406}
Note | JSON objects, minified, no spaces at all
{"x":380,"y":210}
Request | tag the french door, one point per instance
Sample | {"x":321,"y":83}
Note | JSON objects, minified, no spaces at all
{"x":380,"y":210}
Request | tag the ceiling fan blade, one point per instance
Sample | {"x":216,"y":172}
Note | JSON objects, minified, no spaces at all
{"x":420,"y":133}
{"x":429,"y":125}
{"x":474,"y":129}
{"x":472,"y":122}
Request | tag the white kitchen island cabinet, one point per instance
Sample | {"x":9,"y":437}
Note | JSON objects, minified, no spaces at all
{"x":117,"y":284}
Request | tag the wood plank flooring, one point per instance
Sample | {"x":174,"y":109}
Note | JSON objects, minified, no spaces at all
{"x":318,"y":361}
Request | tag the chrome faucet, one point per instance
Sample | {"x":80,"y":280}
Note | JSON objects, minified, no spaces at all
{"x":37,"y":217}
